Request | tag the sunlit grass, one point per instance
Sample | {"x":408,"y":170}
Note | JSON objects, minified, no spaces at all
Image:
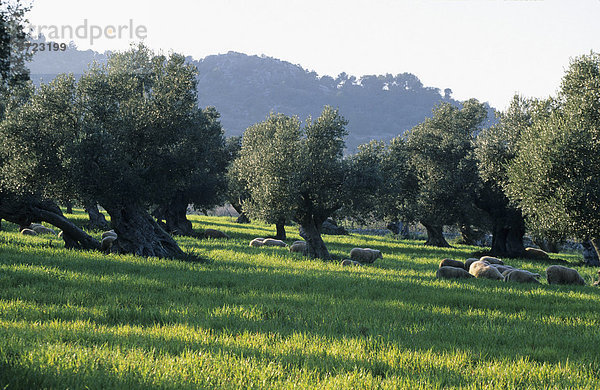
{"x":264,"y":317}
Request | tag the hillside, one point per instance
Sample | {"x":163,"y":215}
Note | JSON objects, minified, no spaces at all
{"x":244,"y":89}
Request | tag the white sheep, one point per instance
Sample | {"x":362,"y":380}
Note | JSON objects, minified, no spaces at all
{"x":365,"y":255}
{"x":448,"y":272}
{"x":520,"y":276}
{"x":274,"y":242}
{"x":492,"y":260}
{"x":480,"y":269}
{"x":258,"y":241}
{"x":557,"y":274}
{"x":298,"y":246}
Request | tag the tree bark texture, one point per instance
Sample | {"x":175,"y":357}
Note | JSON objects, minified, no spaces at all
{"x":315,"y":247}
{"x":23,"y":210}
{"x":507,"y":239}
{"x":593,"y":248}
{"x":435,"y":236}
{"x":280,"y":226}
{"x":138,"y":233}
{"x":242,"y":218}
{"x":97,"y":220}
{"x":175,"y":219}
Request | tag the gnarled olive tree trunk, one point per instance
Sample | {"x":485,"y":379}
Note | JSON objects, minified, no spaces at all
{"x":591,"y":252}
{"x":138,"y":233}
{"x":507,"y":236}
{"x":310,"y":230}
{"x":435,"y":235}
{"x":280,"y":226}
{"x":23,"y":210}
{"x":243,"y":217}
{"x":175,"y":219}
{"x":97,"y":220}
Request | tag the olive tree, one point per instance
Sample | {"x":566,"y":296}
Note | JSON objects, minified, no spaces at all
{"x":380,"y":184}
{"x":37,"y":135}
{"x":236,"y":187}
{"x":495,"y":148}
{"x":128,"y":135}
{"x":267,"y":166}
{"x":364,"y":183}
{"x":137,"y":114}
{"x":204,"y":185}
{"x":440,"y":156}
{"x":295,"y":172}
{"x":13,"y":51}
{"x":555,"y":175}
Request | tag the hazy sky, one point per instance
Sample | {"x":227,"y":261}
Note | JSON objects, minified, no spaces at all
{"x":479,"y":48}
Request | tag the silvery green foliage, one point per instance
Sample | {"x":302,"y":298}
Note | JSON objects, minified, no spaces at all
{"x":555,"y":176}
{"x":440,"y":156}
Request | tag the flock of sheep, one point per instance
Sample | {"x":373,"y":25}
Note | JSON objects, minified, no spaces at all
{"x":36,"y":228}
{"x":358,"y":256}
{"x":486,"y":267}
{"x":493,"y":268}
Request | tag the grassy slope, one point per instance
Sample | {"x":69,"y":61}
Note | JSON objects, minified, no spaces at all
{"x":262,"y":317}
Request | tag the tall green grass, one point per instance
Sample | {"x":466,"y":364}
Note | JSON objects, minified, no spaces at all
{"x":267,"y":318}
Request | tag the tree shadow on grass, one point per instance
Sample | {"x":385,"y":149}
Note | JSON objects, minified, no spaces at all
{"x":484,"y":318}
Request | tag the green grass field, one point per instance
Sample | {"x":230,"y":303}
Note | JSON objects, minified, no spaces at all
{"x":266,"y":318}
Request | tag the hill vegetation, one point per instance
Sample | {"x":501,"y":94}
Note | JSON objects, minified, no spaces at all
{"x":246,"y":88}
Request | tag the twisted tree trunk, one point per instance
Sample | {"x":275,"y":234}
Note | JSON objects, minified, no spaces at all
{"x":23,"y":210}
{"x":175,"y":216}
{"x":243,"y":217}
{"x":280,"y":226}
{"x":507,"y":239}
{"x":435,"y":235}
{"x":467,"y":234}
{"x":138,"y":233}
{"x":310,"y":230}
{"x":97,"y":220}
{"x":590,"y":259}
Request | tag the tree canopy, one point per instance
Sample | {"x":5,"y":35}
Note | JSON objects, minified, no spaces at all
{"x":295,"y":172}
{"x":555,"y":176}
{"x":129,"y":134}
{"x":440,"y":155}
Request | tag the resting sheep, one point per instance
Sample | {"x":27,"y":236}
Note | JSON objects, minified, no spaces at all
{"x":298,"y":246}
{"x":557,"y":274}
{"x":519,"y":276}
{"x":481,"y":269}
{"x":538,"y":254}
{"x":470,"y":261}
{"x":492,"y":260}
{"x":447,"y":272}
{"x":348,"y":262}
{"x":107,"y":242}
{"x":41,"y":229}
{"x":452,"y":263}
{"x":212,"y":233}
{"x":258,"y":241}
{"x":365,"y":255}
{"x":273,"y":242}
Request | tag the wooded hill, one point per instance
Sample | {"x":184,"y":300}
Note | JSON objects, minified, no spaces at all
{"x":245,"y":89}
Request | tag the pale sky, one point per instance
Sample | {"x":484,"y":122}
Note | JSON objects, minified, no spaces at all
{"x":479,"y":48}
